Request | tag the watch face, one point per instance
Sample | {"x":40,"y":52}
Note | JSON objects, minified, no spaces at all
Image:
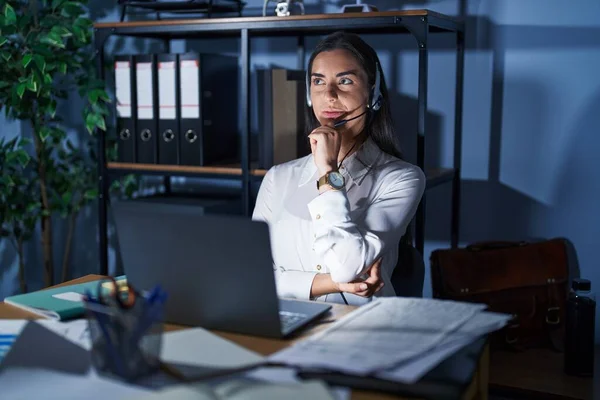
{"x":336,"y":180}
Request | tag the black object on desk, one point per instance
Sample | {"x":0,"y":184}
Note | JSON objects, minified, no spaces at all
{"x":581,"y":316}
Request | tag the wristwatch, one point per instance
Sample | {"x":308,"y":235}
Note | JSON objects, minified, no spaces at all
{"x":333,"y":179}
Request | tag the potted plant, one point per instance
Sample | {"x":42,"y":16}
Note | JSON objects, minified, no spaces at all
{"x":46,"y":59}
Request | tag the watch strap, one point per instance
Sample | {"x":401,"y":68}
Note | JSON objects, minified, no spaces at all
{"x":324,"y":180}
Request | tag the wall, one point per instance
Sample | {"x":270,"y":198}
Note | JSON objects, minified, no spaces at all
{"x":530,"y":130}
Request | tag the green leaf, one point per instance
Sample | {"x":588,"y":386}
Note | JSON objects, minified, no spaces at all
{"x":60,"y":31}
{"x":9,"y":14}
{"x":3,"y":40}
{"x":21,"y":87}
{"x":53,"y":39}
{"x":6,"y":56}
{"x":44,"y":133}
{"x":62,"y":67}
{"x":32,"y":83}
{"x":23,"y":158}
{"x":90,"y":122}
{"x":100,"y":123}
{"x":40,"y":62}
{"x":27,"y":58}
{"x":52,"y":108}
{"x":95,"y":94}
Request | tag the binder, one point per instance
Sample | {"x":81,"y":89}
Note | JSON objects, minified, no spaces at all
{"x":209,"y":121}
{"x":125,"y":107}
{"x":168,"y":119}
{"x":146,"y":123}
{"x":281,"y":116}
{"x":60,"y":303}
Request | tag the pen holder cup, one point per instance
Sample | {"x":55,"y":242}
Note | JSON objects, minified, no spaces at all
{"x":126,"y":343}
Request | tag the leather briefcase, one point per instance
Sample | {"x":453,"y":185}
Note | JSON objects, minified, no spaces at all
{"x":528,"y":280}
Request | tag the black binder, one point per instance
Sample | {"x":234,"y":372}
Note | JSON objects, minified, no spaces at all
{"x":125,"y":107}
{"x":147,"y":109}
{"x":168,"y":109}
{"x":209,"y":109}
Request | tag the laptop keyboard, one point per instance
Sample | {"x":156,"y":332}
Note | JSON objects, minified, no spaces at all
{"x":289,"y":318}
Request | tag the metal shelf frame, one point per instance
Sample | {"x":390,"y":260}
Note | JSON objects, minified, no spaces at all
{"x":418,"y":23}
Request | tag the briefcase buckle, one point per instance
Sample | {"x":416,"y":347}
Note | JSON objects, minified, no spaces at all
{"x":553,"y":315}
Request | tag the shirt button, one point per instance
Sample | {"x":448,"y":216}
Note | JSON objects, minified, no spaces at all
{"x":318,"y":267}
{"x":318,"y":216}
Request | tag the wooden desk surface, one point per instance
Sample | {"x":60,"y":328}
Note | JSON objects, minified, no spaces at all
{"x":266,"y":346}
{"x":538,"y":374}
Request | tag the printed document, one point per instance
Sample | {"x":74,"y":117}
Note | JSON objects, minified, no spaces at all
{"x":382,"y":335}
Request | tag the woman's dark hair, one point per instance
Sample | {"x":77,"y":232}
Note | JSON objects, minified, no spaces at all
{"x":379,"y":125}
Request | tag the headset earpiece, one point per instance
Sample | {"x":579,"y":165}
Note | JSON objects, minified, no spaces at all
{"x":375,"y":103}
{"x":308,"y":101}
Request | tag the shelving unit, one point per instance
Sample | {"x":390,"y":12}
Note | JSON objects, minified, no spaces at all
{"x":418,"y":23}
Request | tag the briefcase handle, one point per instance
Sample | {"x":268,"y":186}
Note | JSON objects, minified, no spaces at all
{"x":495,"y":245}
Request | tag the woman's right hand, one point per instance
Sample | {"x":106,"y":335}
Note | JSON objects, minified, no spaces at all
{"x":367,"y":287}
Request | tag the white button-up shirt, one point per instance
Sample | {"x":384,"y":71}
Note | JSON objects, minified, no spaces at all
{"x":338,"y":232}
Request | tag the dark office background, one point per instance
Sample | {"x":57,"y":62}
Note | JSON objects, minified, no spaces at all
{"x":530,"y":131}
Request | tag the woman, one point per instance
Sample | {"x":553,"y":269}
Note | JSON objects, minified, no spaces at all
{"x":337,"y":215}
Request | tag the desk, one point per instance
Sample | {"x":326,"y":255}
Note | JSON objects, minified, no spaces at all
{"x":476,"y":390}
{"x":538,"y":374}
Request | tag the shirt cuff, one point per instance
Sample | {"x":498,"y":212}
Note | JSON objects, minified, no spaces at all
{"x":295,"y":284}
{"x":329,"y":207}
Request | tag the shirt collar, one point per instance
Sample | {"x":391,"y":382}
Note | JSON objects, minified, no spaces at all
{"x":354,"y":166}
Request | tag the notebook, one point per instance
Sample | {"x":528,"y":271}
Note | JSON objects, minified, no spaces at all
{"x":61,"y":303}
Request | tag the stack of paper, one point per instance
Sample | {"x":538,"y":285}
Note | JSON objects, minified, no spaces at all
{"x":395,"y":338}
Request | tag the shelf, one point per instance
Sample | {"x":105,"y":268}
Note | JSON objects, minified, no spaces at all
{"x":373,"y":22}
{"x":181,"y":170}
{"x":435,"y":177}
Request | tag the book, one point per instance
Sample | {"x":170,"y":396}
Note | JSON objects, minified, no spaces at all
{"x":59,"y":303}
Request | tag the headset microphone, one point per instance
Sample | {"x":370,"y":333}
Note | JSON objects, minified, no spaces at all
{"x":343,"y":122}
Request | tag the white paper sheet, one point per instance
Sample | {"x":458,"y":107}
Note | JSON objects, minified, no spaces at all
{"x":189,"y":89}
{"x":166,"y":90}
{"x":199,"y":347}
{"x":28,"y":383}
{"x":123,"y":88}
{"x":380,"y":335}
{"x":288,"y":375}
{"x":479,"y":325}
{"x":145,"y":100}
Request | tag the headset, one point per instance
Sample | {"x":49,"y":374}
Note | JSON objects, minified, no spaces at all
{"x":375,"y":97}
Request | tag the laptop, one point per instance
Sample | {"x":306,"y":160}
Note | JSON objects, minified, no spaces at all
{"x":216,"y":269}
